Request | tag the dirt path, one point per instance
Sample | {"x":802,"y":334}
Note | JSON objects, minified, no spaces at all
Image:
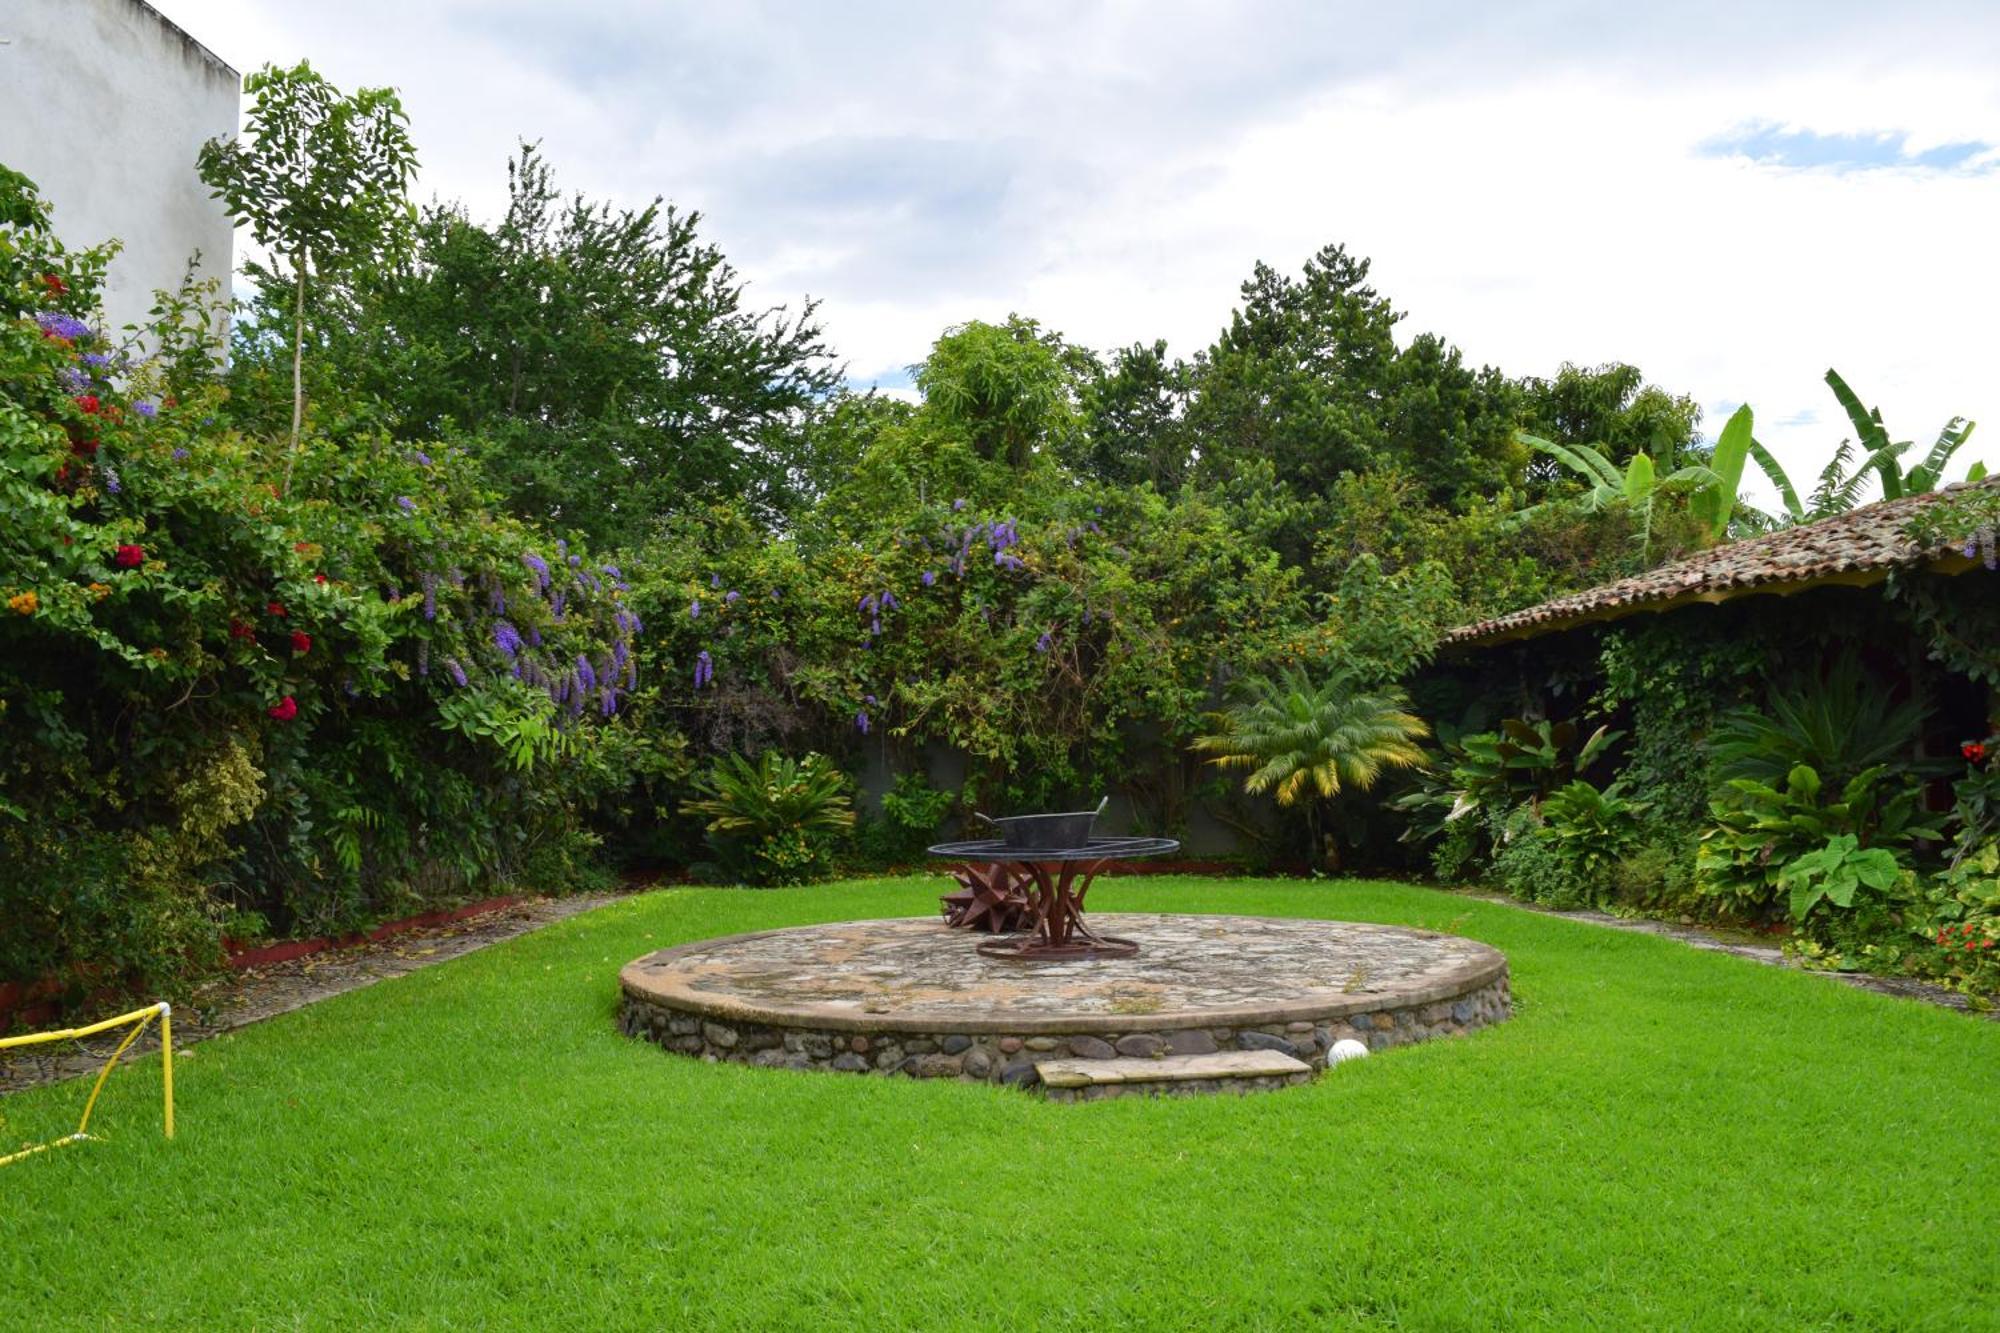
{"x":254,"y":994}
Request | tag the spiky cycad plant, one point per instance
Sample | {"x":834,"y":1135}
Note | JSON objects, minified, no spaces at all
{"x":1307,"y":741}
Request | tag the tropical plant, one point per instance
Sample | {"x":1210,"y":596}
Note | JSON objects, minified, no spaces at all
{"x":1521,"y":763}
{"x":774,"y":820}
{"x":1834,"y":872}
{"x":1840,"y":482}
{"x":320,"y":180}
{"x":1311,"y":741}
{"x":1760,"y":828}
{"x":1839,"y":721}
{"x":1596,"y":829}
{"x":1711,"y":488}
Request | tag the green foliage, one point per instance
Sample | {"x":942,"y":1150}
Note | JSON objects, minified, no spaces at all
{"x":1759,"y":830}
{"x":1522,"y":763}
{"x":602,"y":364}
{"x":1301,"y":738}
{"x":1839,"y":721}
{"x":1840,"y":482}
{"x":1595,"y":830}
{"x":912,"y":811}
{"x":1534,"y":867}
{"x":775,"y":820}
{"x":319,"y":178}
{"x":218,"y":698}
{"x":1834,"y":872}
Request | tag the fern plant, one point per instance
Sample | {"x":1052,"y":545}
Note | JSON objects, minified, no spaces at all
{"x":774,"y":820}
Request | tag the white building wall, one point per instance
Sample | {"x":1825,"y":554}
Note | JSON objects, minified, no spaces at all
{"x":104,"y":104}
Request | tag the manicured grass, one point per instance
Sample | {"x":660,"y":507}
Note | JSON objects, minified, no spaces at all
{"x":1659,"y":1138}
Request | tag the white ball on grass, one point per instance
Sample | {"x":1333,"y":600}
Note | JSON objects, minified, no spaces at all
{"x":1347,"y":1048}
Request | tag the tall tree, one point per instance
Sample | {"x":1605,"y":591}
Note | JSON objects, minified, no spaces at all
{"x":605,"y":364}
{"x":322,"y":182}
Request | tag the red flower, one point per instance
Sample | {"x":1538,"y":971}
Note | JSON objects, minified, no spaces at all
{"x":319,"y":578}
{"x":83,"y":448}
{"x":302,"y":547}
{"x":239,"y":630}
{"x":1974,"y":752}
{"x":88,"y":402}
{"x":302,"y":642}
{"x":285,"y":709}
{"x":274,"y":608}
{"x":56,"y":286}
{"x":129,"y":557}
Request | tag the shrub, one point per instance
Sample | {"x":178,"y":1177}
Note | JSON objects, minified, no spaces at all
{"x":911,"y":811}
{"x":1760,"y":830}
{"x":776,"y":820}
{"x":1532,"y":865}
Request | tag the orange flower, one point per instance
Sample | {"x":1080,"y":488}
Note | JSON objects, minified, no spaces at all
{"x":24,"y":603}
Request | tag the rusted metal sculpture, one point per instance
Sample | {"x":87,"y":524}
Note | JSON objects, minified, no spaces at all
{"x":991,"y":897}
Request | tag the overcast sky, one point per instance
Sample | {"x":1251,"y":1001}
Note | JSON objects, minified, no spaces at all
{"x":1732,"y":200}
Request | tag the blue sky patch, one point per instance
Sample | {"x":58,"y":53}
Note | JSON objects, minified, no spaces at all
{"x":1774,"y":145}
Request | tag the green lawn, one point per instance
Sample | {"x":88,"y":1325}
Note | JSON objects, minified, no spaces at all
{"x":1660,"y":1137}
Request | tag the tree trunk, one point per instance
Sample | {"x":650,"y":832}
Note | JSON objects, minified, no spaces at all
{"x":298,"y":368}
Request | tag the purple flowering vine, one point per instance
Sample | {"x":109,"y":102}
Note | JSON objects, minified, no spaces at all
{"x":704,"y":669}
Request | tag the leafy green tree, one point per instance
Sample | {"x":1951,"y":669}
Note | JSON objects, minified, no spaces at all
{"x":321,"y":181}
{"x":1306,"y":740}
{"x":603,"y":364}
{"x":1613,"y":409}
{"x":1009,"y":388}
{"x":1135,"y":420}
{"x":1308,"y":377}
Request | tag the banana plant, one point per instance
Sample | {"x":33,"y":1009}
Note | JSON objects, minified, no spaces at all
{"x":1713,"y":488}
{"x":1882,"y":455}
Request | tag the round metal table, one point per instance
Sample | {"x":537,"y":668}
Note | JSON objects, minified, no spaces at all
{"x":1061,"y":878}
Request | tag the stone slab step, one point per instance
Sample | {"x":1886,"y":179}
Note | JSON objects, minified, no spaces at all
{"x":1171,"y":1069}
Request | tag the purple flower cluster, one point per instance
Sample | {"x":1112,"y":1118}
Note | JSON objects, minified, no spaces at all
{"x":146,"y":409}
{"x":406,"y":504}
{"x":507,"y":639}
{"x":58,"y":325}
{"x":861,"y":723}
{"x":704,"y":669}
{"x":539,"y":567}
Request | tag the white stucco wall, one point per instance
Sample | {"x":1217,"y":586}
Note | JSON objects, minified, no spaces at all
{"x":104,"y":104}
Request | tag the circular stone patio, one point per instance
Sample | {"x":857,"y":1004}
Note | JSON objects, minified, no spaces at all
{"x":912,"y":996}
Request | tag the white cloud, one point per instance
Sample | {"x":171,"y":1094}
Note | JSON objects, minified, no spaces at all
{"x":1531,"y":180}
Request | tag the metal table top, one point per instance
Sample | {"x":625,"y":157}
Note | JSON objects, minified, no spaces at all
{"x":1097,"y":849}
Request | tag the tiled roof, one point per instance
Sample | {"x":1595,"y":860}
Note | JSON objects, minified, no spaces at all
{"x":1858,"y":547}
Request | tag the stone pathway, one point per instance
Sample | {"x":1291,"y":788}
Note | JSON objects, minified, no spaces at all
{"x":1701,"y":937}
{"x":255,"y":994}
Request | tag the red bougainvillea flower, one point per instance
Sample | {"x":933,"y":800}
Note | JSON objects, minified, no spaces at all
{"x":302,"y":642}
{"x":319,"y":578}
{"x":88,"y":403}
{"x":129,"y":557}
{"x":285,"y":709}
{"x":274,"y":608}
{"x":1973,"y":751}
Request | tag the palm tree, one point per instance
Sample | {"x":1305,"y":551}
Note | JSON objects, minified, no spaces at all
{"x":1312,"y":741}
